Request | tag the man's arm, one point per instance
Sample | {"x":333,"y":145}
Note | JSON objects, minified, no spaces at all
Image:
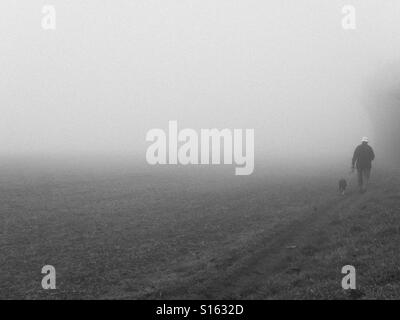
{"x":355,"y":158}
{"x":372,"y":154}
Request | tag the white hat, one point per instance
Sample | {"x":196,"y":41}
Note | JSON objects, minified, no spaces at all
{"x":364,"y":139}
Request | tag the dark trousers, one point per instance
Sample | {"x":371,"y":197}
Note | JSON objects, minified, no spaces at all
{"x":363,"y":177}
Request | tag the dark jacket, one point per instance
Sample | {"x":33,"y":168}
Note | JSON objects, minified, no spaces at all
{"x":363,"y":156}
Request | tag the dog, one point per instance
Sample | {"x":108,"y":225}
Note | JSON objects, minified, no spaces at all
{"x":342,"y":186}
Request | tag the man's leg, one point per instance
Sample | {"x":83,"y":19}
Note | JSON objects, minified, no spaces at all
{"x":367,"y":173}
{"x":360,"y":179}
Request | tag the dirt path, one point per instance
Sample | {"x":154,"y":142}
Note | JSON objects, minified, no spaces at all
{"x":301,"y":256}
{"x":275,"y":255}
{"x":272,"y":255}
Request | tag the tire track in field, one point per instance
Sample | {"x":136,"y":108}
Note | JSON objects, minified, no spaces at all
{"x":273,"y":254}
{"x":265,"y":259}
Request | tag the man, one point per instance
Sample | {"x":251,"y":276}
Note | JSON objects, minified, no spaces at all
{"x":362,"y":158}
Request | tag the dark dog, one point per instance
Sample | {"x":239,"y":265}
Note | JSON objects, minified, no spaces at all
{"x":342,"y":186}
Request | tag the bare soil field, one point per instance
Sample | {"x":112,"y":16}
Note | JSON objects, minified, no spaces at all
{"x":168,"y":236}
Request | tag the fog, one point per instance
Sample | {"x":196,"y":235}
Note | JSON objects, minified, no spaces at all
{"x":113,"y":70}
{"x":382,"y":104}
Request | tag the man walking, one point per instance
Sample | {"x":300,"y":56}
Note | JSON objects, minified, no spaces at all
{"x":362,"y":158}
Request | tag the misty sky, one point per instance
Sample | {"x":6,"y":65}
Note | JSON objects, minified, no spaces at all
{"x":112,"y":70}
